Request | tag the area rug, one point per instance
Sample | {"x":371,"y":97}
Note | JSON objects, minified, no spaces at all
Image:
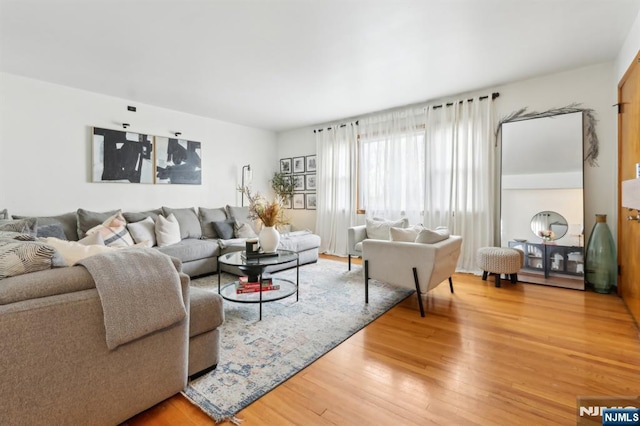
{"x":256,"y":356}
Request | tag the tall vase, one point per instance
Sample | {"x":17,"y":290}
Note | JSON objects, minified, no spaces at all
{"x":269,"y":239}
{"x":601,"y":264}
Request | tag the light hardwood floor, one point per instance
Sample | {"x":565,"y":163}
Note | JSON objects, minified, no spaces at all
{"x":519,"y":354}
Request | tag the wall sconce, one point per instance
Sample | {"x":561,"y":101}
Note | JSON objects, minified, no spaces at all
{"x":249,"y":175}
{"x":125,"y":125}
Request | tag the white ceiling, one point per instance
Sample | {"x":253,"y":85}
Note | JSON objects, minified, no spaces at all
{"x":282,"y":64}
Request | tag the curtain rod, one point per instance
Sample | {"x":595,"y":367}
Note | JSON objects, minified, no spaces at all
{"x":493,"y":96}
{"x":329,"y":128}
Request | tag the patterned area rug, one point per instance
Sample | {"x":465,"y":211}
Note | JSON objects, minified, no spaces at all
{"x":256,"y":356}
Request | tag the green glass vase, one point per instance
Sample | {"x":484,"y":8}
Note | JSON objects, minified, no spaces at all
{"x":601,"y":263}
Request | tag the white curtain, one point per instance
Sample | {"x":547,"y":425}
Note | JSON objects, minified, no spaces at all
{"x":336,"y":149}
{"x":460,"y":182}
{"x":392,"y":165}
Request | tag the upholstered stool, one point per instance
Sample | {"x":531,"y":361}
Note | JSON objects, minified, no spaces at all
{"x":500,"y":260}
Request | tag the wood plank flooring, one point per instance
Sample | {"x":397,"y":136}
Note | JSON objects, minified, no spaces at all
{"x":519,"y":354}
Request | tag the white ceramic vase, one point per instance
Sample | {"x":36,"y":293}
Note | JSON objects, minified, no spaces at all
{"x":269,"y":239}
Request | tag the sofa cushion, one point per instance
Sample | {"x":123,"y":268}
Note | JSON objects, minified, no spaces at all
{"x":144,"y":230}
{"x":428,"y":236}
{"x":379,"y":229}
{"x":241,"y":215}
{"x":210,"y":215}
{"x":24,"y":226}
{"x":224,"y":228}
{"x":132,"y":217}
{"x":167,"y":231}
{"x":113,"y":231}
{"x":299,"y":241}
{"x":51,"y":230}
{"x":191,"y":249}
{"x":188,"y":220}
{"x":21,"y":257}
{"x":243,"y":230}
{"x":68,"y":221}
{"x":88,"y":219}
{"x":205,"y":311}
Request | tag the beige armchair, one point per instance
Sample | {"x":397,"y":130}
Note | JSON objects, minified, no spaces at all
{"x":412,"y":265}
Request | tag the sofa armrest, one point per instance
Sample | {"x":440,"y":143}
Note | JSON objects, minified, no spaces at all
{"x":355,"y":234}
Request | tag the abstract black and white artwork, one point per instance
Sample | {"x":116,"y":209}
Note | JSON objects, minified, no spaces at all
{"x":178,"y":161}
{"x":120,"y":156}
{"x":298,"y":164}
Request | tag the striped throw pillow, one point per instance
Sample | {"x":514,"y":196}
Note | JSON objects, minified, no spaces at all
{"x":21,"y":257}
{"x":113,"y":231}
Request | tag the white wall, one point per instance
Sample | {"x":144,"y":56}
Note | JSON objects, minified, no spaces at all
{"x":593,"y":87}
{"x":629,"y":49}
{"x":45,"y":152}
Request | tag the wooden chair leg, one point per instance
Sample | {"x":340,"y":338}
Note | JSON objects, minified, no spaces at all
{"x":415,"y":278}
{"x":514,"y":278}
{"x":484,"y":275}
{"x":497,"y":276}
{"x":366,"y":281}
{"x":349,"y":256}
{"x":451,"y":284}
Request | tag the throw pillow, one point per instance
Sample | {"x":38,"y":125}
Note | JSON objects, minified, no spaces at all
{"x":167,"y":231}
{"x":113,"y":231}
{"x":210,"y":215}
{"x":69,"y":222}
{"x":428,"y":236}
{"x":4,"y":214}
{"x":24,"y":226}
{"x":74,"y":251}
{"x":13,"y":235}
{"x":21,"y":257}
{"x":379,"y":229}
{"x":224,"y":228}
{"x":408,"y":235}
{"x":88,"y":220}
{"x":52,"y":230}
{"x":144,"y":230}
{"x":241,"y":214}
{"x":188,"y":220}
{"x":243,"y":230}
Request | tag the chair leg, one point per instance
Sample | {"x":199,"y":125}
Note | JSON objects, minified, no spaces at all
{"x":514,"y":278}
{"x":451,"y":284}
{"x":484,"y":275}
{"x":415,"y":278}
{"x":349,"y":256}
{"x":366,"y":281}
{"x":497,"y":280}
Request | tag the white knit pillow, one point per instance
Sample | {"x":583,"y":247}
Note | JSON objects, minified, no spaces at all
{"x":428,"y":236}
{"x":167,"y":231}
{"x":379,"y":229}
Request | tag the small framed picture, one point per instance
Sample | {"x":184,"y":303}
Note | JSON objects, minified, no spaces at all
{"x":310,"y":182}
{"x":311,"y":201}
{"x":298,"y":182}
{"x":298,"y":164}
{"x":285,"y":165}
{"x":287,"y":203}
{"x":298,"y":201}
{"x":311,"y":163}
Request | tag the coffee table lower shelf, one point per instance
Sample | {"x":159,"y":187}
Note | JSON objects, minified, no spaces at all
{"x":287,"y":288}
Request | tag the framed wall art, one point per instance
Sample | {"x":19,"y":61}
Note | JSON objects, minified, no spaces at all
{"x":310,"y":182}
{"x":298,"y":182}
{"x":298,"y":164}
{"x":120,"y":156}
{"x":178,"y":161}
{"x":311,"y":201}
{"x":311,"y":163}
{"x":298,"y":201}
{"x":285,"y":165}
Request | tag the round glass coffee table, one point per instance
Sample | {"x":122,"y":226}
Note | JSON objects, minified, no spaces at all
{"x":255,"y":267}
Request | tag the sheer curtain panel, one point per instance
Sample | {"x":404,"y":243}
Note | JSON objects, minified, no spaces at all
{"x":460,"y":179}
{"x":336,"y":149}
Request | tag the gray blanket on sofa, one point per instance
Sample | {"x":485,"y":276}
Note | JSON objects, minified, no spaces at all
{"x":140,"y":292}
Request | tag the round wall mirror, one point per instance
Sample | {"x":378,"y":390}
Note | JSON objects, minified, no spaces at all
{"x":549,"y":226}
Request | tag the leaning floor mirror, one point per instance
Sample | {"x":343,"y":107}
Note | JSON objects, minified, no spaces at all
{"x":542,"y":198}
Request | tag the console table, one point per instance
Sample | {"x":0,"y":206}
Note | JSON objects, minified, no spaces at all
{"x":550,"y":258}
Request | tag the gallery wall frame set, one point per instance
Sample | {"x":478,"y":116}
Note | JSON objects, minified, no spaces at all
{"x":130,"y":157}
{"x":303,"y":175}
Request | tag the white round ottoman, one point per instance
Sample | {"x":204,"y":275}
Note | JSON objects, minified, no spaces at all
{"x":500,"y":260}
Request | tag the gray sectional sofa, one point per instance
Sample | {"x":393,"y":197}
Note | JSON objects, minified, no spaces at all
{"x":56,"y":367}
